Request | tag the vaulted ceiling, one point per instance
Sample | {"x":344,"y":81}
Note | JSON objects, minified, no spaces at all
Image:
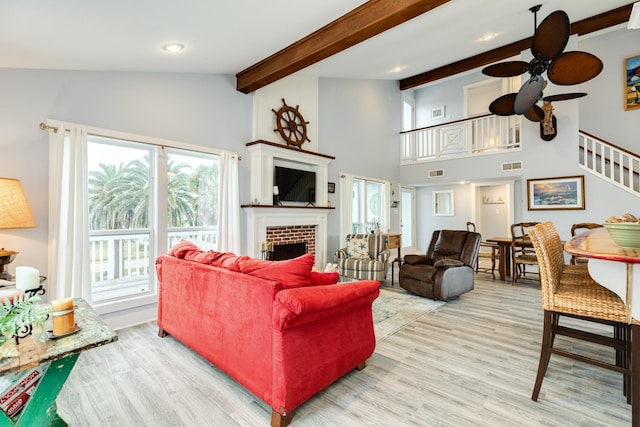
{"x":412,"y":41}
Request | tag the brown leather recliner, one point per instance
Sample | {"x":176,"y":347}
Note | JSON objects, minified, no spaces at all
{"x":447,"y":270}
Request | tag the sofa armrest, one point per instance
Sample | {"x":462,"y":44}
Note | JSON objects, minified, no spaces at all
{"x":417,"y":259}
{"x":447,"y":262}
{"x":341,"y":253}
{"x":311,"y":303}
{"x":384,"y":255}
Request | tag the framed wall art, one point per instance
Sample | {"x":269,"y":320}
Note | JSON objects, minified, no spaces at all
{"x":632,"y":83}
{"x":562,"y":193}
{"x":332,"y":187}
{"x":437,"y":113}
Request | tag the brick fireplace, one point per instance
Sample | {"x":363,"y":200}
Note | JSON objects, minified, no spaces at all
{"x":292,"y":234}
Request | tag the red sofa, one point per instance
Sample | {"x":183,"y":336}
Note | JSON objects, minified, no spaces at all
{"x":271,"y":325}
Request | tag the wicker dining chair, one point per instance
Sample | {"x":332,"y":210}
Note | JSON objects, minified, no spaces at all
{"x":577,"y":228}
{"x":522,"y":255}
{"x":490,"y":251}
{"x":568,"y":290}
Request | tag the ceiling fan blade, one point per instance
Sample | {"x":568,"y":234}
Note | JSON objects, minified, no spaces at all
{"x":564,"y":96}
{"x":503,"y":106}
{"x":506,"y":69}
{"x":528,"y":94}
{"x":575,"y":67}
{"x":551,"y":36}
{"x":535,"y":113}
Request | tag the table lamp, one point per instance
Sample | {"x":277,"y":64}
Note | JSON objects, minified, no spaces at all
{"x":14,"y":213}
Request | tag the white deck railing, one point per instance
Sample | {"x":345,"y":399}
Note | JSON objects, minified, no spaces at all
{"x":478,"y":135}
{"x":120,"y":259}
{"x":612,"y":163}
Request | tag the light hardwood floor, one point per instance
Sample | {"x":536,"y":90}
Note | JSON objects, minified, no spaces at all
{"x":472,"y":362}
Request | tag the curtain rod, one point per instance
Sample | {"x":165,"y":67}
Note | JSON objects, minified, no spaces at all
{"x":45,"y":126}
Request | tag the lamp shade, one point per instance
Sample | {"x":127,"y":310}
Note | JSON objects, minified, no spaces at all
{"x":14,"y":208}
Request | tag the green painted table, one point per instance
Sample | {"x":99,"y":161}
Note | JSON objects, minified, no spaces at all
{"x":61,"y":355}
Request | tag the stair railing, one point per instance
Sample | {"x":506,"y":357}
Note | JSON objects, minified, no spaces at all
{"x":610,"y":162}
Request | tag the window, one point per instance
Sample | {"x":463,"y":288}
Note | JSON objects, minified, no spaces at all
{"x":443,"y":203}
{"x":366,"y":205}
{"x":143,"y":199}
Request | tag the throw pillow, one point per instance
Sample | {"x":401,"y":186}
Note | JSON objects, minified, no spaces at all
{"x":291,"y":273}
{"x":180,"y":249}
{"x":320,"y":279}
{"x":201,"y":257}
{"x":358,"y":248}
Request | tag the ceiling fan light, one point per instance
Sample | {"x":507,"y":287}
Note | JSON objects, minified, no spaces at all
{"x":528,"y":94}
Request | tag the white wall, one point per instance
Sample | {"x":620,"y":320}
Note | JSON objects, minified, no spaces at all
{"x":360,"y":121}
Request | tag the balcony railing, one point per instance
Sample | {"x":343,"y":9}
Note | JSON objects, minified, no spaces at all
{"x":478,"y":135}
{"x":120,"y":259}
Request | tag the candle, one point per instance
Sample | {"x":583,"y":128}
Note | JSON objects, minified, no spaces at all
{"x":27,"y":278}
{"x":62,"y":316}
{"x":10,"y":294}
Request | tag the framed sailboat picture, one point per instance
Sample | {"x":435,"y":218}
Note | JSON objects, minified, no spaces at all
{"x":565,"y":192}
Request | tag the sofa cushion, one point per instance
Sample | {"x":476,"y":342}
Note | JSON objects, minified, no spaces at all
{"x":180,"y":249}
{"x":358,"y":248}
{"x":320,"y":279}
{"x":291,"y":273}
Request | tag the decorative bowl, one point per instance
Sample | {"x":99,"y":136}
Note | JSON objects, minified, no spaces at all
{"x":625,"y":234}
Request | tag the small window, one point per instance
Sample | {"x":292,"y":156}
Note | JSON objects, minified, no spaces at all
{"x":443,"y":203}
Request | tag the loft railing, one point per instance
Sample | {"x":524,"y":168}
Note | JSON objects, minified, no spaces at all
{"x":479,"y":135}
{"x":612,"y":163}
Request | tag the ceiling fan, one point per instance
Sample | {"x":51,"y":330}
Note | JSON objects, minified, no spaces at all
{"x":562,"y":68}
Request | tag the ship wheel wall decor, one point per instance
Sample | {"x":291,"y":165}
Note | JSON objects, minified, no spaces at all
{"x":291,"y":125}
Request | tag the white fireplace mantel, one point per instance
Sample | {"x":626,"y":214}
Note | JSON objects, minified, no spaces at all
{"x":265,"y":155}
{"x":260,"y":211}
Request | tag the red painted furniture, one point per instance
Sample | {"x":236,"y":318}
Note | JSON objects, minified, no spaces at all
{"x":282,"y":341}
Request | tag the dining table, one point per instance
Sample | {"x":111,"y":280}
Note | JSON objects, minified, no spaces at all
{"x":617,"y":269}
{"x":504,"y":252}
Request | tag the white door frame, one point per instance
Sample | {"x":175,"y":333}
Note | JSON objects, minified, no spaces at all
{"x":509,"y":197}
{"x":407,"y":249}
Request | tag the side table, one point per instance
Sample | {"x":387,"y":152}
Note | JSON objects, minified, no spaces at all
{"x":399,"y":261}
{"x":40,"y":409}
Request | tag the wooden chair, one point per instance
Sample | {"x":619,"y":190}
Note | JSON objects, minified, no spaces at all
{"x":568,"y":290}
{"x":522,"y":254}
{"x":575,"y":229}
{"x":492,"y":254}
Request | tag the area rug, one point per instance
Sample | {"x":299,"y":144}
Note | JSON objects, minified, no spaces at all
{"x":393,"y":310}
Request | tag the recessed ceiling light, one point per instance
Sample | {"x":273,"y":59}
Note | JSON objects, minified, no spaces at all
{"x":173,"y":47}
{"x":488,"y":37}
{"x":397,"y":69}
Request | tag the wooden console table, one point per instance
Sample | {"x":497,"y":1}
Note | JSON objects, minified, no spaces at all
{"x":395,"y":241}
{"x":61,"y":355}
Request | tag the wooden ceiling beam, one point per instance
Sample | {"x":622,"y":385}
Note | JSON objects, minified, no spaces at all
{"x":368,"y":20}
{"x":582,"y":27}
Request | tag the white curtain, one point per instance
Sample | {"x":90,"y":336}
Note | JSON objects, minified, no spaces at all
{"x":346,"y":206}
{"x":69,"y":274}
{"x":229,"y":204}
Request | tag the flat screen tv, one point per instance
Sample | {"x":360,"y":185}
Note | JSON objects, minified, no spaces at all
{"x":295,"y":185}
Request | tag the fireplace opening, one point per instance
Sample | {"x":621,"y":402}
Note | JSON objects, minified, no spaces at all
{"x":288,"y":251}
